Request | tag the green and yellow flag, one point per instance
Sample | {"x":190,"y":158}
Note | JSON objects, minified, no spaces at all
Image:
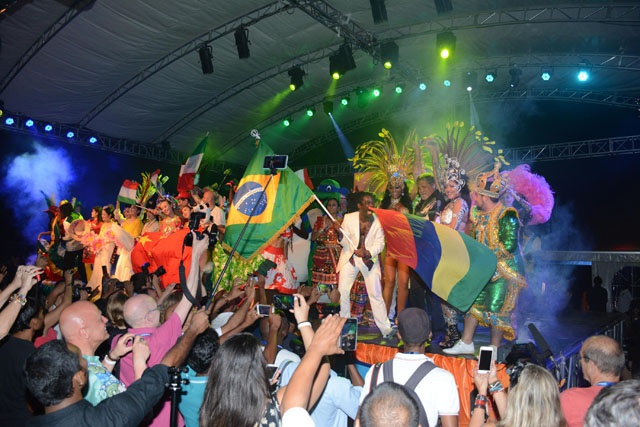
{"x":285,"y":198}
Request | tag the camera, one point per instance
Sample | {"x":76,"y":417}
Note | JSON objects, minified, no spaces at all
{"x":159,"y":271}
{"x":75,"y":294}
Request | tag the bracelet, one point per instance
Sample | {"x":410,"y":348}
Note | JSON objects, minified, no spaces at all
{"x":20,"y":298}
{"x":109,"y":360}
{"x":303,"y":324}
{"x":496,"y":387}
{"x":481,"y":399}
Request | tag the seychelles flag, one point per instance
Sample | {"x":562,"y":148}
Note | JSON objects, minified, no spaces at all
{"x":277,"y":200}
{"x":453,"y":265}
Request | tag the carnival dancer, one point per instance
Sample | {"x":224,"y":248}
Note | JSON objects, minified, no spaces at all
{"x":496,"y":226}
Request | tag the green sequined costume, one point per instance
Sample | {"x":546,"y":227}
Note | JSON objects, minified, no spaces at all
{"x":498,"y":229}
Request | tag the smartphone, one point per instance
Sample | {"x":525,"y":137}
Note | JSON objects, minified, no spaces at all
{"x":283,"y":302}
{"x":349,"y":335}
{"x":272,"y":370}
{"x":263,"y":310}
{"x":265,"y":266}
{"x":105,"y":273}
{"x":484,"y":359}
{"x":324,"y":288}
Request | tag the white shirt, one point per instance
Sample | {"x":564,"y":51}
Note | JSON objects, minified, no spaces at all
{"x":438,"y":393}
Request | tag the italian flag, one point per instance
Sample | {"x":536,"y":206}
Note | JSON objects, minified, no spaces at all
{"x":128,"y":192}
{"x":190,"y":168}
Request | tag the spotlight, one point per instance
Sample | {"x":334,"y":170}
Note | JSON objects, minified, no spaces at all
{"x":9,"y":121}
{"x":327,"y":106}
{"x":341,"y":62}
{"x":447,"y":82}
{"x":48,"y":127}
{"x":545,"y":74}
{"x":376,"y":92}
{"x":28,"y":123}
{"x":470,"y":78}
{"x":310,"y":112}
{"x":389,"y":54}
{"x":71,"y":134}
{"x":242,"y":42}
{"x":206,"y":59}
{"x":379,"y":11}
{"x":583,"y":73}
{"x":446,"y":44}
{"x":422,"y":86}
{"x":515,"y":74}
{"x":399,"y":89}
{"x":443,"y":6}
{"x":491,"y":76}
{"x":296,"y":74}
{"x":287,"y":121}
{"x":345,"y":100}
{"x":93,"y":140}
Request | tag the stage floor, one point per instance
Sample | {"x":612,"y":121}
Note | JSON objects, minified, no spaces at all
{"x":564,"y":333}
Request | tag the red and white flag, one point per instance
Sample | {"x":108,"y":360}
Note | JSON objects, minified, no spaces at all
{"x":189,"y":170}
{"x":128,"y":192}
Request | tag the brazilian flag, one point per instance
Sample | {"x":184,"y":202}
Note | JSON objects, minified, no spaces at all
{"x":268,"y":202}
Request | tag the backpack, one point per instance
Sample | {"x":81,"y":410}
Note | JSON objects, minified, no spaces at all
{"x":410,"y":385}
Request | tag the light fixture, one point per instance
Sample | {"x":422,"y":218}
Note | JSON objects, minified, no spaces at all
{"x":515,"y":74}
{"x":242,"y":42}
{"x":583,"y":72}
{"x":327,"y":106}
{"x":470,"y":78}
{"x":545,"y":74}
{"x":310,"y":111}
{"x":447,"y":82}
{"x":376,"y":92}
{"x":379,"y":11}
{"x":422,"y":86}
{"x":296,"y":73}
{"x":70,"y":134}
{"x":93,"y":140}
{"x":29,"y":123}
{"x":9,"y":121}
{"x":399,"y":89}
{"x":491,"y":75}
{"x":443,"y":6}
{"x":389,"y":54}
{"x":446,"y":44}
{"x":341,"y":62}
{"x":206,"y":58}
{"x":287,"y":121}
{"x":48,"y":127}
{"x":344,"y":100}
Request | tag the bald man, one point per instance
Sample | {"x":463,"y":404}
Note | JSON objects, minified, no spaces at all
{"x":602,"y":361}
{"x":210,"y":198}
{"x":83,"y":325}
{"x":142,"y":313}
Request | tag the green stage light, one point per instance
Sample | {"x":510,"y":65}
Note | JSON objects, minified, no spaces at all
{"x":398,"y":89}
{"x":310,"y":112}
{"x":376,"y":92}
{"x":287,"y":122}
{"x":344,"y":101}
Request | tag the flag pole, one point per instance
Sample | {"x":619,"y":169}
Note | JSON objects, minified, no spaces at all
{"x":324,"y":208}
{"x":256,"y":135}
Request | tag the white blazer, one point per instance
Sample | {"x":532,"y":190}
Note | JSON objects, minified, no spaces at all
{"x":374,"y":242}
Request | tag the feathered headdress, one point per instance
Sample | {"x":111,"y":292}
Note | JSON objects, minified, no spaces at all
{"x":459,"y":153}
{"x":532,"y":192}
{"x":387,"y":163}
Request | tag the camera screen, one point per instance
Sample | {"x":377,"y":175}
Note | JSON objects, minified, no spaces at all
{"x":271,"y":371}
{"x":349,"y":335}
{"x":263,"y":310}
{"x":283,"y":302}
{"x":275,"y":162}
{"x":323,"y":288}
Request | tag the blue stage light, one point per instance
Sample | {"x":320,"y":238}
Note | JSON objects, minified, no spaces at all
{"x":70,"y":134}
{"x":93,"y":140}
{"x":48,"y":127}
{"x":447,"y":83}
{"x":28,"y":123}
{"x":9,"y":121}
{"x":583,"y":75}
{"x":423,"y":86}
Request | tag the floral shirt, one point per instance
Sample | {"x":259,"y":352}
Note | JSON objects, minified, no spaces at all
{"x":102,"y":383}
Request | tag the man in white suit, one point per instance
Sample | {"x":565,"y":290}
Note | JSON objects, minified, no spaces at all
{"x":362,"y":243}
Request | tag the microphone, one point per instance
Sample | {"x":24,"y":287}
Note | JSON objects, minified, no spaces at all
{"x":542,"y":344}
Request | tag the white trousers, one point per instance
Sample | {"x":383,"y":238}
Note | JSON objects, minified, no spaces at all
{"x":347,"y":276}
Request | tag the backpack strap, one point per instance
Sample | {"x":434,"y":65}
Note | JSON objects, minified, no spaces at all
{"x":419,"y":374}
{"x":374,"y":376}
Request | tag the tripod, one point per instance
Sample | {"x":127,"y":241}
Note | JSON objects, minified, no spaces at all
{"x":175,"y":385}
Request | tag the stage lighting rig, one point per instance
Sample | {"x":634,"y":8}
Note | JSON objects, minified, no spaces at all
{"x":206,"y":58}
{"x":379,"y":11}
{"x":446,"y":44}
{"x":242,"y":42}
{"x":341,"y":62}
{"x":389,"y":53}
{"x":296,"y":82}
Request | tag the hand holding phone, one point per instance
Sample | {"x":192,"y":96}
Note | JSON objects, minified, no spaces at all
{"x":349,"y":335}
{"x":263,"y":310}
{"x":272,"y":372}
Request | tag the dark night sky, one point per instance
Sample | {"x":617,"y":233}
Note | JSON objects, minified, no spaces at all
{"x":594,"y":196}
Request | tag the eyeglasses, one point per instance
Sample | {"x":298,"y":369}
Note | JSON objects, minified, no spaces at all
{"x":583,"y":358}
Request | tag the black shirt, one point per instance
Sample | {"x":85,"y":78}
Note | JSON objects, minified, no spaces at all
{"x":13,"y":392}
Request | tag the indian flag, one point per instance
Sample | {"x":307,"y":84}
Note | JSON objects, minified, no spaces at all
{"x":453,"y":265}
{"x":189,"y":170}
{"x":128,"y":192}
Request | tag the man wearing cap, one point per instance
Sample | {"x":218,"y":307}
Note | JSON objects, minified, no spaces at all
{"x":437,"y":390}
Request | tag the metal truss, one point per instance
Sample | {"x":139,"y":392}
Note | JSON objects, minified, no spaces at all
{"x":539,"y":153}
